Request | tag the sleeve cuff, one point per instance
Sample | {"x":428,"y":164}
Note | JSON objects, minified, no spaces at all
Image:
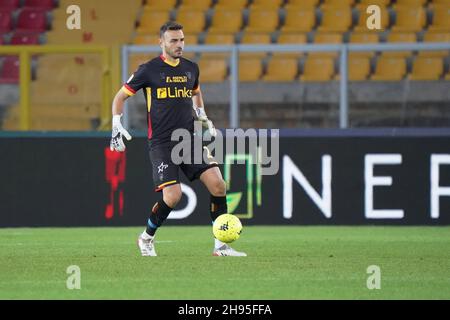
{"x":128,"y":90}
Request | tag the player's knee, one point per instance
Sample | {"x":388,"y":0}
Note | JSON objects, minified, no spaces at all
{"x":172,"y":196}
{"x":219,"y":188}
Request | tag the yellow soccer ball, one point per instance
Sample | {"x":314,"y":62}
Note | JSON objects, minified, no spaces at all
{"x":227,"y":228}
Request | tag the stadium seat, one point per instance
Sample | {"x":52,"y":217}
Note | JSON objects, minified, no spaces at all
{"x":262,"y":21}
{"x":335,"y":19}
{"x":31,"y":19}
{"x":301,"y":4}
{"x":363,"y":37}
{"x":318,"y":69}
{"x":400,"y":37}
{"x":10,"y":70}
{"x":232,"y":5}
{"x":40,"y":4}
{"x":441,"y":19}
{"x":254,"y":38}
{"x":9,"y":5}
{"x":218,"y":39}
{"x":358,"y":68}
{"x":160,"y":5}
{"x":425,"y":68}
{"x":265,"y":4}
{"x":299,"y":20}
{"x":281,"y":70}
{"x":411,"y":3}
{"x":146,"y":39}
{"x":380,"y":3}
{"x":212,"y":70}
{"x":337,"y":3}
{"x":409,"y":19}
{"x":20,"y":38}
{"x":250,"y":69}
{"x":290,"y":38}
{"x":436,"y":37}
{"x":389,"y":69}
{"x":5,"y":21}
{"x":363,"y":16}
{"x":326,"y":38}
{"x":226,"y":21}
{"x":195,"y":5}
{"x":151,"y":21}
{"x":192,"y":21}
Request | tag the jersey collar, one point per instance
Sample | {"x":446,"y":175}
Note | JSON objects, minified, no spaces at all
{"x":173,"y":64}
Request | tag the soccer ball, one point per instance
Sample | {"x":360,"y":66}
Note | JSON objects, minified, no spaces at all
{"x":227,"y":228}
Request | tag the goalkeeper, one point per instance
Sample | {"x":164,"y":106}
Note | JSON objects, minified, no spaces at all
{"x":171,"y":88}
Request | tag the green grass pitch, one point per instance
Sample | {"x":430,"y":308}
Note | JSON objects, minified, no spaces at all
{"x":283,"y":263}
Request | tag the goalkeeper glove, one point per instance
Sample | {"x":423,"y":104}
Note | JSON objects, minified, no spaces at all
{"x":201,"y":116}
{"x":118,"y":131}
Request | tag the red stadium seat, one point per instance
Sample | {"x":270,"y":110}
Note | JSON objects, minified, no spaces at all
{"x":10,"y":70}
{"x":9,"y":5}
{"x":5,"y":21}
{"x":31,"y":19}
{"x":42,"y":4}
{"x":20,"y":38}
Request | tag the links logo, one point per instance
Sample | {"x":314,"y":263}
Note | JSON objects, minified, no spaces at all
{"x":164,"y":93}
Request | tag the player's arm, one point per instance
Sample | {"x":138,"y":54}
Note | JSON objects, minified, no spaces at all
{"x":136,"y":82}
{"x":199,"y":108}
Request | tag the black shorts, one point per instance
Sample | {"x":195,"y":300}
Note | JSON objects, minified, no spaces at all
{"x":166,"y":172}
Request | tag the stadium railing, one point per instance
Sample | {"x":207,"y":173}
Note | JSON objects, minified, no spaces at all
{"x":234,"y":51}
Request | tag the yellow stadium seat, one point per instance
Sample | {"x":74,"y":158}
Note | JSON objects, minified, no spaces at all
{"x":212,"y":70}
{"x":266,"y":4}
{"x":146,"y":39}
{"x":262,"y":21}
{"x":326,"y":38}
{"x":318,"y":69}
{"x":281,"y":70}
{"x":436,"y":37}
{"x":300,"y":20}
{"x":160,"y":5}
{"x":337,"y":3}
{"x":192,"y":21}
{"x":218,"y":39}
{"x":336,"y":19}
{"x":400,"y":37}
{"x":226,"y":21}
{"x":380,"y":3}
{"x":389,"y":69}
{"x":358,"y":68}
{"x":255,"y":38}
{"x":197,"y":5}
{"x":411,"y":3}
{"x":363,"y":16}
{"x":441,"y":19}
{"x":290,"y":38}
{"x":363,"y":37}
{"x":427,"y":69}
{"x":447,"y":76}
{"x":151,"y":21}
{"x":301,"y":4}
{"x":250,"y":69}
{"x":230,"y":5}
{"x":409,"y":19}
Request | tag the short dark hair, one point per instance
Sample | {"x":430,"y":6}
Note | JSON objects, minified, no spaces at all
{"x":169,"y":25}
